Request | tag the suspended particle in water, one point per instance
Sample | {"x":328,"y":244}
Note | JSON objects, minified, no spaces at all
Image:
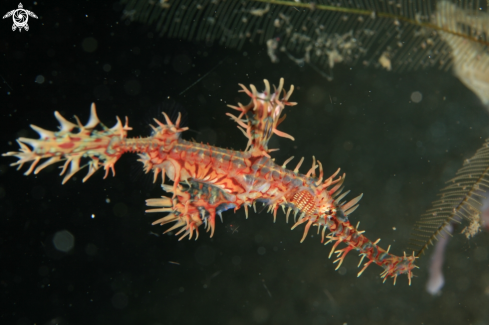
{"x":416,"y":97}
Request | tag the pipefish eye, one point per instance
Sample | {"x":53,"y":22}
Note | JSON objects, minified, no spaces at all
{"x":329,"y":212}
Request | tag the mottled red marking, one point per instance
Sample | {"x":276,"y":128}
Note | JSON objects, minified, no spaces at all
{"x":208,"y":181}
{"x":67,"y":145}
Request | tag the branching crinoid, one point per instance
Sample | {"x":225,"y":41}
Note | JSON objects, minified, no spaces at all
{"x":460,"y":200}
{"x":400,"y":35}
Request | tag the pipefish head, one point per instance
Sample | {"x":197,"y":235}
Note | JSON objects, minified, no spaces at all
{"x":322,"y":210}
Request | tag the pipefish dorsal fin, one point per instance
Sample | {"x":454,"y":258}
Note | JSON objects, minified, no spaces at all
{"x":395,"y":34}
{"x":460,"y":199}
{"x":259,"y":119}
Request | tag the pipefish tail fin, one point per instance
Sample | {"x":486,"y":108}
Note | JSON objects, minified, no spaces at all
{"x":460,"y":199}
{"x":394,"y":35}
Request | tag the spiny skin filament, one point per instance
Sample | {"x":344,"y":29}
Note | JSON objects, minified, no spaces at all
{"x":208,"y":180}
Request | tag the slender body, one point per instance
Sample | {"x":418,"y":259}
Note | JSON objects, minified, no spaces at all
{"x":207,"y":180}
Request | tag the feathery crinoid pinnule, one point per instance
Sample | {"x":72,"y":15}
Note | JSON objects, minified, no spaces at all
{"x":401,"y":35}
